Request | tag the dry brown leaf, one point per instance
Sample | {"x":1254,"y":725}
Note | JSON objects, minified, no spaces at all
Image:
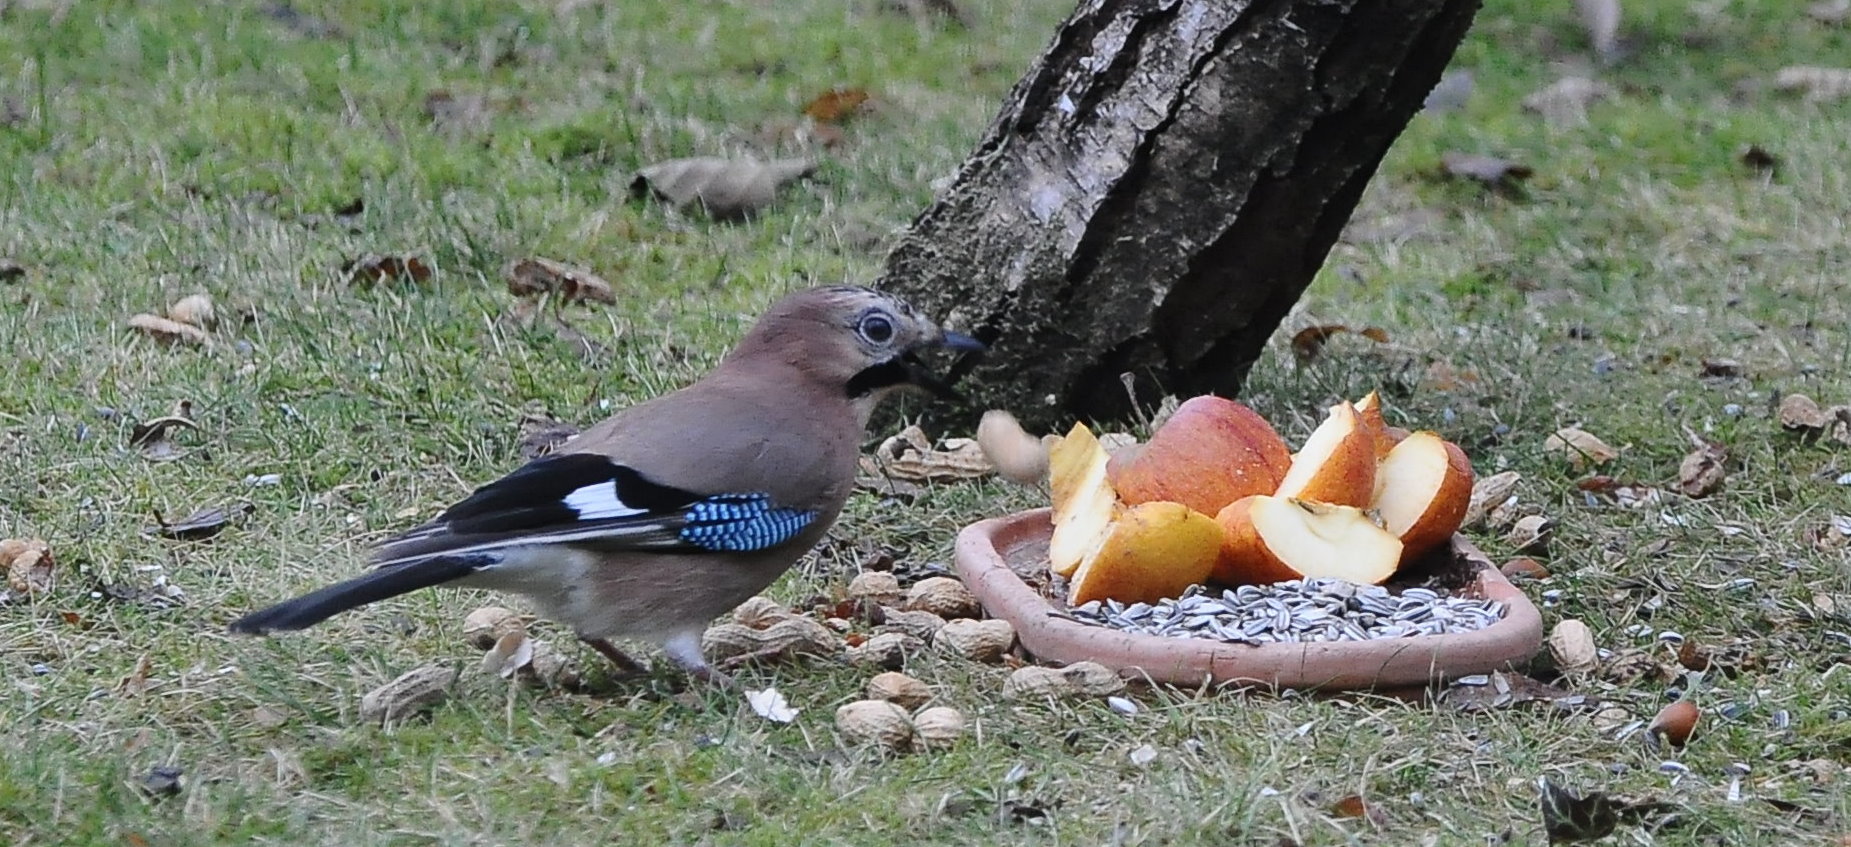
{"x":1309,"y":342}
{"x":1601,"y":18}
{"x":836,"y":104}
{"x":136,"y":683}
{"x":28,"y":564}
{"x":1442,"y":376}
{"x":1354,"y":806}
{"x":1500,"y":175}
{"x":169,"y":331}
{"x":541,"y":434}
{"x":1580,"y":447}
{"x":535,"y":276}
{"x":373,"y":268}
{"x":1489,"y":493}
{"x":725,"y":188}
{"x":201,"y":524}
{"x":1815,"y":83}
{"x":1721,"y":369}
{"x":1567,"y":99}
{"x":909,"y":457}
{"x":155,"y":437}
{"x":1800,"y":412}
{"x":802,"y":134}
{"x":1702,"y":472}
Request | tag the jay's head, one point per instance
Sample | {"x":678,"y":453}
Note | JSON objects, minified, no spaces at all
{"x":865,"y":341}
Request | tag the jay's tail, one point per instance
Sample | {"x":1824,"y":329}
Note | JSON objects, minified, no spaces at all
{"x":380,"y":584}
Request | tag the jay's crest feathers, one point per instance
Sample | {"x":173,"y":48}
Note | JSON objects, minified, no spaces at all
{"x":671,"y":512}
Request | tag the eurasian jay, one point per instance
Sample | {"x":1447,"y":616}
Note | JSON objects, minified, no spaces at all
{"x":672,"y":512}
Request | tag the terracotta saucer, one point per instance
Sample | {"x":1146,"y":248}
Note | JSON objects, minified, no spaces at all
{"x":994,"y":555}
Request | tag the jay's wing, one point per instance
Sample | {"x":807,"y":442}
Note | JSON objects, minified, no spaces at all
{"x":587,"y":500}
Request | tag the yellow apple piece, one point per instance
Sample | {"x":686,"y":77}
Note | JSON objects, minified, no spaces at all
{"x":1386,"y":437}
{"x":1211,"y":452}
{"x":1084,"y":502}
{"x":1154,"y":550}
{"x":1271,"y":539}
{"x":1422,"y":490}
{"x":1336,"y":464}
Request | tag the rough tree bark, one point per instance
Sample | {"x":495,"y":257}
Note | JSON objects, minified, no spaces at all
{"x":1160,"y":188}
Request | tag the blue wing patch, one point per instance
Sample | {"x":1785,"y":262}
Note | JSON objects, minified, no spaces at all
{"x":738,"y":523}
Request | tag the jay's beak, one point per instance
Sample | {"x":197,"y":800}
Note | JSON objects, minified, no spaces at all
{"x":918,"y":374}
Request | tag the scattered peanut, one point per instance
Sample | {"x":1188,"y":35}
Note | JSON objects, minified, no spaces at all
{"x":920,"y":625}
{"x":943,"y":596}
{"x":981,"y":641}
{"x":875,"y":722}
{"x":876,"y":586}
{"x":790,"y":636}
{"x":899,"y":688}
{"x":1572,"y":645}
{"x":412,"y":692}
{"x":885,"y":650}
{"x":1080,"y":679}
{"x":485,"y":626}
{"x":937,"y":728}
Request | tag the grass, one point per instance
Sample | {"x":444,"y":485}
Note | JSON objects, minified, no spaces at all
{"x":149,"y":151}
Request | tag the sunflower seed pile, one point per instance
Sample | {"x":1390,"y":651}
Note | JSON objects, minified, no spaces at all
{"x":1296,"y":611}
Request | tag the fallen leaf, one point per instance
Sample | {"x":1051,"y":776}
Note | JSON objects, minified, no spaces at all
{"x":1720,"y":369}
{"x":1757,"y":158}
{"x":1702,"y":472}
{"x":1309,"y":342}
{"x":1601,"y":19}
{"x":1815,"y":83}
{"x":542,"y":434}
{"x":910,"y":457}
{"x":771,"y":705}
{"x":162,"y":781}
{"x":1442,"y":376}
{"x":1567,"y":99}
{"x":201,"y":524}
{"x":1580,"y":447}
{"x":169,"y":331}
{"x":28,"y":563}
{"x":1499,"y":175}
{"x":374,"y":268}
{"x":512,"y":652}
{"x":536,"y":276}
{"x":725,"y":188}
{"x":832,"y":106}
{"x":136,"y":683}
{"x":155,"y":437}
{"x":1354,"y":806}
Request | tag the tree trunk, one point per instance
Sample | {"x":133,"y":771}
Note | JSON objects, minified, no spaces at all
{"x":1160,"y":188}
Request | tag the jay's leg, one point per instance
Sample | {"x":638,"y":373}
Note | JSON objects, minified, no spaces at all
{"x":626,"y":666}
{"x":684,"y":648}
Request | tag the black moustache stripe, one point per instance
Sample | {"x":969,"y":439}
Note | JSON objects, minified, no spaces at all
{"x":876,"y":377}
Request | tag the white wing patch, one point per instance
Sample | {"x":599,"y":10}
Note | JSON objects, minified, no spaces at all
{"x":599,"y":500}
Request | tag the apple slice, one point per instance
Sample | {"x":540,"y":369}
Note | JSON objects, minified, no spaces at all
{"x":1422,"y":490}
{"x":1336,"y":464}
{"x":1084,"y":502}
{"x":1386,"y":437}
{"x":1154,"y":550}
{"x":1211,"y":452}
{"x":1271,"y":539}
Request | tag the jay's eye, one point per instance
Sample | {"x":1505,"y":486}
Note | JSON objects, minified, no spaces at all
{"x":877,"y":328}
